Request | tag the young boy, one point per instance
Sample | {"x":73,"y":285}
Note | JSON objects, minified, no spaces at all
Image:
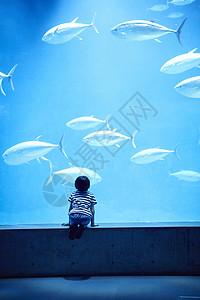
{"x":81,"y":210}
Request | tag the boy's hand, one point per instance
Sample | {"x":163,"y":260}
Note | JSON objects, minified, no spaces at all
{"x":94,"y":225}
{"x":65,"y":224}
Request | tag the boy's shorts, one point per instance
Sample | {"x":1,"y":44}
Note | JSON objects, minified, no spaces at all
{"x":79,"y":219}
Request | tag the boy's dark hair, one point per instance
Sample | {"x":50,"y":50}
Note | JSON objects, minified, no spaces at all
{"x":82,"y":183}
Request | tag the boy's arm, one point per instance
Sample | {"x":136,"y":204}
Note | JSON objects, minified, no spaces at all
{"x":70,"y":207}
{"x":92,"y":220}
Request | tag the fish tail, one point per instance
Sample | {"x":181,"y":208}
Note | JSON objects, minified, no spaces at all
{"x":1,"y":87}
{"x":175,"y":151}
{"x":106,"y":120}
{"x":92,"y":24}
{"x":178,"y":31}
{"x":61,"y":146}
{"x":10,"y":76}
{"x":133,"y":137}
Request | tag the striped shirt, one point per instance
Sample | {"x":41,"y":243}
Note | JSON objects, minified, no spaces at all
{"x":82,"y":202}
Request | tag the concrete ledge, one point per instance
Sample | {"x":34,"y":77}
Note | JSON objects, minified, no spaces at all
{"x":104,"y":250}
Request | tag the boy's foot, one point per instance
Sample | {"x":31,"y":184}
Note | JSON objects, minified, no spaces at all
{"x":72,"y":231}
{"x":79,"y":231}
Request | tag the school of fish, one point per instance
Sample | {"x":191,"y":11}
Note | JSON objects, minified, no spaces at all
{"x":135,"y":30}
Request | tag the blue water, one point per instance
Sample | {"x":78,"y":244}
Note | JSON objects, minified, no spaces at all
{"x":97,"y":76}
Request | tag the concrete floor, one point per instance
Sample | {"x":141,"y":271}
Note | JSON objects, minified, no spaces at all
{"x":99,"y":288}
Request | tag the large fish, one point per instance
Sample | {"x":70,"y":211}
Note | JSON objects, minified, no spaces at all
{"x":139,"y":30}
{"x":182,"y":63}
{"x":9,"y":76}
{"x":107,"y":138}
{"x":83,"y":123}
{"x":65,"y":32}
{"x":181,"y":2}
{"x":187,"y":175}
{"x":189,"y":87}
{"x":27,"y":151}
{"x":69,"y":175}
{"x":151,"y":155}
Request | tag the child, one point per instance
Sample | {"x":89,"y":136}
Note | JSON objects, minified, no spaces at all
{"x":81,"y":210}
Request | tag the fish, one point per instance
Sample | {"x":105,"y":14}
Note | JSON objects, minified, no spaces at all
{"x":151,"y":155}
{"x":105,"y":138}
{"x":189,"y":87}
{"x":9,"y":76}
{"x":27,"y":151}
{"x":175,"y":15}
{"x":83,"y":123}
{"x":182,"y":63}
{"x":181,"y":2}
{"x":69,"y":175}
{"x":65,"y":32}
{"x":187,"y":175}
{"x":139,"y":30}
{"x":159,"y":7}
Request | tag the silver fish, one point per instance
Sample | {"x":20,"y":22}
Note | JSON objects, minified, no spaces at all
{"x":9,"y":76}
{"x":83,"y":123}
{"x":189,"y":87}
{"x":151,"y":155}
{"x":27,"y":151}
{"x":139,"y":30}
{"x":159,"y":7}
{"x":175,"y":15}
{"x":65,"y":32}
{"x":105,"y":138}
{"x":182,"y":63}
{"x":70,"y":174}
{"x":187,"y":175}
{"x":181,"y":2}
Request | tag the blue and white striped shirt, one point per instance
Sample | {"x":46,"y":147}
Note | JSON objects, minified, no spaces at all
{"x":82,"y":202}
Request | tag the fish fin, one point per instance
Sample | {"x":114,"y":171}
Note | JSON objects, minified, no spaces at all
{"x":50,"y":164}
{"x":2,"y":87}
{"x":114,"y":130}
{"x":55,"y":31}
{"x":157,"y":40}
{"x":38,"y":159}
{"x":78,"y":37}
{"x":10,"y":76}
{"x":37,"y":138}
{"x":117,"y":145}
{"x":192,"y":51}
{"x":92,"y":24}
{"x":133,"y":137}
{"x":123,"y":33}
{"x":154,"y":21}
{"x":61,"y":146}
{"x":106,"y":120}
{"x":71,"y":165}
{"x":92,"y":116}
{"x":178,"y":31}
{"x":175,"y":151}
{"x":49,"y":180}
{"x":74,"y":21}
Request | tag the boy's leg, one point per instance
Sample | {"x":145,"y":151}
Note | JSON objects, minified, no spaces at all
{"x":72,"y":227}
{"x":72,"y":231}
{"x":83,"y":221}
